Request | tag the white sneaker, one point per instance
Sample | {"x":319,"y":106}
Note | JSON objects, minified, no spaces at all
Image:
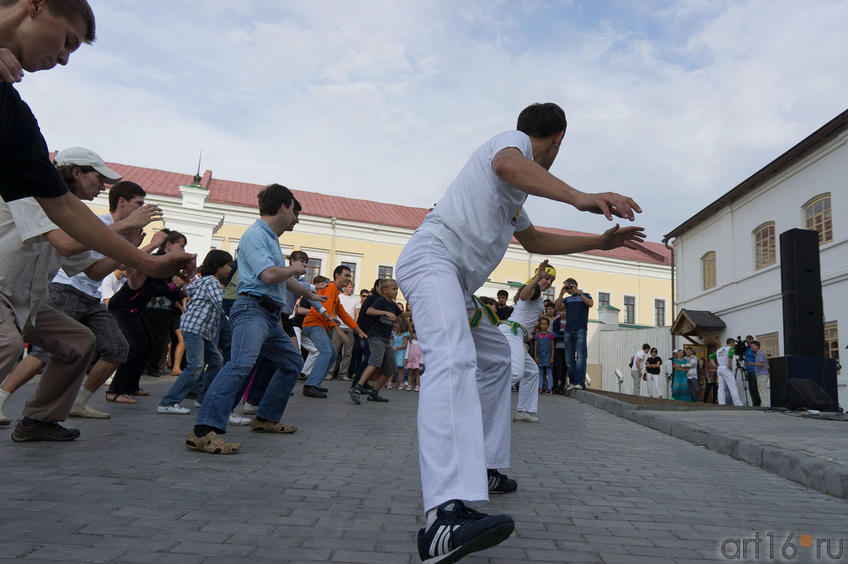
{"x":239,"y":420}
{"x":524,"y":416}
{"x":173,"y":408}
{"x":249,"y":408}
{"x":197,"y":403}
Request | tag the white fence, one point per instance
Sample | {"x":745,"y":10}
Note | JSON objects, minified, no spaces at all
{"x":617,"y":346}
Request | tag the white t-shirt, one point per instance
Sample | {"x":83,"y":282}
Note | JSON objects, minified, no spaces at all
{"x":29,"y":260}
{"x":722,"y":356}
{"x":110,"y":286}
{"x":527,"y":312}
{"x":80,"y":281}
{"x":640,"y":356}
{"x":479,"y":213}
{"x":349,"y":304}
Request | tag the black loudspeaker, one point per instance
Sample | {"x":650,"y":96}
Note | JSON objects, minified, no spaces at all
{"x":800,"y":278}
{"x":820,"y":370}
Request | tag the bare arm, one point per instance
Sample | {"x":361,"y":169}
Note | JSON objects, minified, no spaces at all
{"x":277,"y":274}
{"x":76,"y":220}
{"x":530,"y":177}
{"x":544,"y":243}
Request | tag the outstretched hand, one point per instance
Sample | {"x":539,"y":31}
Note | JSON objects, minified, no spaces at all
{"x":622,"y":237}
{"x":177,"y":262}
{"x":609,"y":204}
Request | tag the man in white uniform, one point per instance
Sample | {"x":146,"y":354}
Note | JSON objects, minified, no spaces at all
{"x":464,"y":408}
{"x":528,"y":307}
{"x":637,"y":369}
{"x":726,"y":380}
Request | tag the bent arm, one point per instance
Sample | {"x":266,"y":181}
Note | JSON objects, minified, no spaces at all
{"x":530,"y":177}
{"x":276,"y":274}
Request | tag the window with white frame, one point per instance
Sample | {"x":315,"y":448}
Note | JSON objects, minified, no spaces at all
{"x":385,"y":271}
{"x":630,"y":309}
{"x":817,"y":216}
{"x":659,"y":312}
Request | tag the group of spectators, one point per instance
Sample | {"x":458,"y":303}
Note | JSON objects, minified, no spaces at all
{"x":709,"y":379}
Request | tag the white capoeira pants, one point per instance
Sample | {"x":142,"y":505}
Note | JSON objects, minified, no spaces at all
{"x":726,"y":380}
{"x":523,"y":370}
{"x":654,"y":385}
{"x":464,"y":404}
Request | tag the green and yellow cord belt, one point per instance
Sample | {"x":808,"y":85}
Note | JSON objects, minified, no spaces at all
{"x":481,"y":309}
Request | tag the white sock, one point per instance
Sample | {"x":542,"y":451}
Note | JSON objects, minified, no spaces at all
{"x":4,"y":395}
{"x":431,"y":518}
{"x":82,"y":396}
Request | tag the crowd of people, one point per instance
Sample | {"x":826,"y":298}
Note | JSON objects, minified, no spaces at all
{"x":244,"y":339}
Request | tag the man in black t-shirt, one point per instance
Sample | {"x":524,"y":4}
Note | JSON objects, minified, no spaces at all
{"x":503,"y":310}
{"x":37,"y":35}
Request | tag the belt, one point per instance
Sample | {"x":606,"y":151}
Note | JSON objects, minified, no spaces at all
{"x":481,"y":309}
{"x":515,"y":327}
{"x":265,"y":302}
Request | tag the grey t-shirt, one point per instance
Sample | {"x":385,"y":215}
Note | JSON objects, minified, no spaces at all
{"x":479,"y":213}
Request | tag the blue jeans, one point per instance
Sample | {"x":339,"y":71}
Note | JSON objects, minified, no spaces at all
{"x":575,"y":356}
{"x":545,"y":371}
{"x":326,"y":354}
{"x":255,"y":331}
{"x":200,"y":354}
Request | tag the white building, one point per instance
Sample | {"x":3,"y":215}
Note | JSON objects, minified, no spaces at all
{"x":727,"y":255}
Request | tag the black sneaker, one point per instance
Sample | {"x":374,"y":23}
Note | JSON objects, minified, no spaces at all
{"x":459,"y":530}
{"x":313,"y":392}
{"x":42,"y":431}
{"x":498,"y":483}
{"x":355,"y":393}
{"x":375,"y":396}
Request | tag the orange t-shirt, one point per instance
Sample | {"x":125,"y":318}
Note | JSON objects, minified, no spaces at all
{"x":333,"y":307}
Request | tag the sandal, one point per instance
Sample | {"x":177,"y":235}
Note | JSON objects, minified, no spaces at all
{"x":211,"y":443}
{"x":271,"y":427}
{"x":141,"y":393}
{"x":120,"y":398}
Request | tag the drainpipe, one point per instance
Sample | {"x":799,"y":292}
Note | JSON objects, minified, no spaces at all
{"x":673,"y":303}
{"x":333,"y":241}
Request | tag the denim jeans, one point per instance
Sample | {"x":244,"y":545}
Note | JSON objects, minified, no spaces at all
{"x":225,"y":332}
{"x":255,"y":331}
{"x":575,"y":356}
{"x":326,"y":354}
{"x":200,"y":354}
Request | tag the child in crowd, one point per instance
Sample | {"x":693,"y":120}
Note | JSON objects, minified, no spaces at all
{"x":401,"y":341}
{"x":413,"y":359}
{"x":544,"y":355}
{"x":199,"y":325}
{"x":379,"y":333}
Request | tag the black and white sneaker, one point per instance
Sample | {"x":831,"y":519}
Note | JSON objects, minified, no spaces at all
{"x":498,"y":483}
{"x":459,"y":530}
{"x":374,"y":395}
{"x":355,"y":392}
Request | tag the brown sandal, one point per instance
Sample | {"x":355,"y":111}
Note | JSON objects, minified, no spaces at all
{"x":120,"y":398}
{"x":271,"y":427}
{"x":211,"y":443}
{"x":141,"y":393}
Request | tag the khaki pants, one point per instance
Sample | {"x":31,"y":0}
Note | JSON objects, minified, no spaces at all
{"x":71,"y":345}
{"x":347,"y":350}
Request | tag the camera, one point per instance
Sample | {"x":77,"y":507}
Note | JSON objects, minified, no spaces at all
{"x":739,"y":349}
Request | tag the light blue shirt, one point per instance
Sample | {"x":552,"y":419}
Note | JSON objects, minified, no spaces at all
{"x":259,"y":249}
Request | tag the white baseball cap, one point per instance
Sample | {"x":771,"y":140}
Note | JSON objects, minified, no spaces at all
{"x":81,"y":156}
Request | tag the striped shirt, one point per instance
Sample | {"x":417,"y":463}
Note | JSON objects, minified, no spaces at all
{"x":203,"y":311}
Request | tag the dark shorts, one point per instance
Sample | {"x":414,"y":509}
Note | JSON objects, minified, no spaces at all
{"x":382,"y":355}
{"x":79,"y":306}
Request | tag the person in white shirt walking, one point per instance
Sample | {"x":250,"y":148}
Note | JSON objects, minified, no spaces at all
{"x":726,"y":380}
{"x":637,"y":368}
{"x":344,"y":349}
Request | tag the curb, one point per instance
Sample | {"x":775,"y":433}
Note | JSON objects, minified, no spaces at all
{"x":821,"y":475}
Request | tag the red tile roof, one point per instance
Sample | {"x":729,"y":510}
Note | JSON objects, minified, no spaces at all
{"x":165,"y":183}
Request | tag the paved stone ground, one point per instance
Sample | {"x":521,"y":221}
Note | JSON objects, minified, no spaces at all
{"x":593,"y":487}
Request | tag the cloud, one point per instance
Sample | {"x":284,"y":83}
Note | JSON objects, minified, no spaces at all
{"x":674,"y":105}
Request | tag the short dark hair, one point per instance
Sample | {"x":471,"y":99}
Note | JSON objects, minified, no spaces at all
{"x":646,"y":346}
{"x":571,"y":281}
{"x":69,"y":9}
{"x":542,"y":120}
{"x":756,"y":343}
{"x":503,"y":293}
{"x":272,"y":197}
{"x":364,"y":292}
{"x":215,"y":259}
{"x":729,"y":340}
{"x":172,"y":237}
{"x":298,"y":255}
{"x":126,"y":190}
{"x":318,"y":279}
{"x":339,"y":269}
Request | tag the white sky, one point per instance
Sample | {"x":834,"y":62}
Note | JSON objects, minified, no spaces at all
{"x":673,"y":103}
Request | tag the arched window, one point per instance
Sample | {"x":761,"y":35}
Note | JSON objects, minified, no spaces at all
{"x":764,"y":245}
{"x":817,"y":216}
{"x":708,"y":270}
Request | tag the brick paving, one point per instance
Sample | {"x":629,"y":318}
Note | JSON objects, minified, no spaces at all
{"x":593,"y":487}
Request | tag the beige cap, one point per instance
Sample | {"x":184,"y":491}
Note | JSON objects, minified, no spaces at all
{"x":81,"y":156}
